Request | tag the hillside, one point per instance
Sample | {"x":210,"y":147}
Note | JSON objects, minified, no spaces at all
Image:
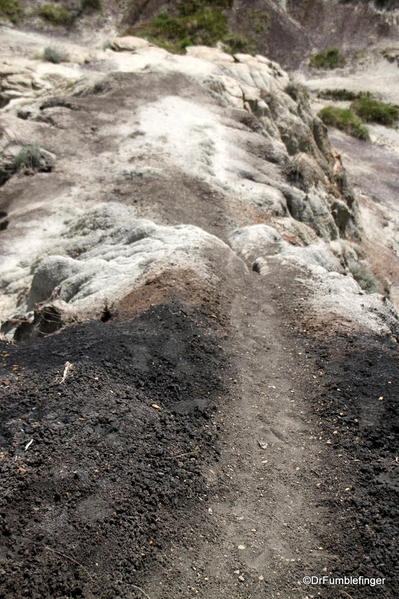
{"x":198,"y":300}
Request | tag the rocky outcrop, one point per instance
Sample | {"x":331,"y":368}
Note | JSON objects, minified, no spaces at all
{"x":144,"y":141}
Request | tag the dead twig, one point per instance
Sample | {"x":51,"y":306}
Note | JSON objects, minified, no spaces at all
{"x":141,"y":591}
{"x":71,"y":559}
{"x":345,"y":594}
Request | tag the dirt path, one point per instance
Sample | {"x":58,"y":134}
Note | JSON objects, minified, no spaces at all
{"x":257,"y":536}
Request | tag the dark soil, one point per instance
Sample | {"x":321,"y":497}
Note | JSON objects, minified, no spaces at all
{"x":358,"y":405}
{"x":115,"y":462}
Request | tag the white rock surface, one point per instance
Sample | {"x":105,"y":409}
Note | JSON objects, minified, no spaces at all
{"x":141,"y":113}
{"x":332,"y":292}
{"x":117,"y":252}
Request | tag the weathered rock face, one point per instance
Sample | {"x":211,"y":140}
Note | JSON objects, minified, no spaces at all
{"x":151,"y":129}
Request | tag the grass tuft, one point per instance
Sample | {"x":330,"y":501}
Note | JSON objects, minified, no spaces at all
{"x":363,"y":276}
{"x":53,"y":55}
{"x":345,"y":120}
{"x":30,"y":157}
{"x":373,"y":111}
{"x":330,"y":58}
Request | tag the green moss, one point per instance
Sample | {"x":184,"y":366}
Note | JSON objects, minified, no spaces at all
{"x":373,"y":111}
{"x":344,"y":119}
{"x":330,"y":58}
{"x":57,"y":15}
{"x":342,"y":94}
{"x":11,"y":9}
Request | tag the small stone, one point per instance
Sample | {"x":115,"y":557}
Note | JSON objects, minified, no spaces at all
{"x":241,"y":547}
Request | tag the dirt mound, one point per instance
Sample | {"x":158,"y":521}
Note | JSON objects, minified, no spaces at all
{"x":98,"y":469}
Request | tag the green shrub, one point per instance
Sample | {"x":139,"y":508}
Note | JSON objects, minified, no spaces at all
{"x":90,"y":4}
{"x":363,"y":276}
{"x":342,"y":94}
{"x":53,"y":55}
{"x":11,"y":9}
{"x":373,"y":111}
{"x":57,"y":15}
{"x":193,"y":22}
{"x":297,"y":91}
{"x":330,"y":58}
{"x":344,"y":119}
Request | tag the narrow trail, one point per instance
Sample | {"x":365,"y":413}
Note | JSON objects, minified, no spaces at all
{"x":258,"y":535}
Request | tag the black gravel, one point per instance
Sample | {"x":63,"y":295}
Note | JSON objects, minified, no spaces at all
{"x":358,"y":404}
{"x":114,"y":467}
